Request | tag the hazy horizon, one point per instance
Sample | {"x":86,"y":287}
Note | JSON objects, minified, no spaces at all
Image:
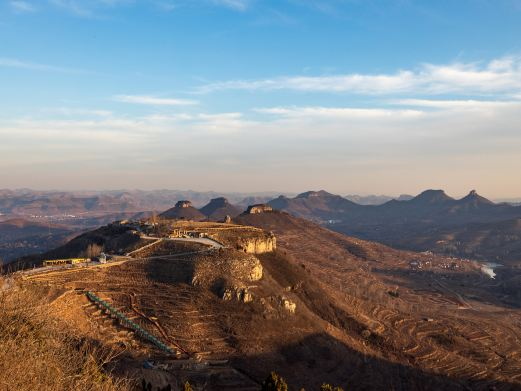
{"x":261,"y":193}
{"x":376,"y":97}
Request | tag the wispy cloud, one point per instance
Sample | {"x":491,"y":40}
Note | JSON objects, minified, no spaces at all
{"x":22,"y":6}
{"x":338,"y":113}
{"x":74,"y":7}
{"x":471,"y":104}
{"x":498,"y":76}
{"x":88,"y":8}
{"x":239,"y":5}
{"x":78,"y":112}
{"x":97,"y":8}
{"x":166,"y":6}
{"x":153,"y":101}
{"x":15,"y":63}
{"x":369,"y":146}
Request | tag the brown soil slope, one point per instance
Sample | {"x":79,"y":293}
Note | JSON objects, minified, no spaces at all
{"x":443,"y":317}
{"x":366,"y":317}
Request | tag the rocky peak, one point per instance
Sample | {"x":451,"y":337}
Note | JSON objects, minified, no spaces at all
{"x":474,"y":198}
{"x":310,"y":194}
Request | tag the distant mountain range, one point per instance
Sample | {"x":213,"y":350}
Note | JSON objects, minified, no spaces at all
{"x":57,"y":204}
{"x":431,"y":206}
{"x":472,"y":226}
{"x":376,"y":199}
{"x":19,"y":237}
{"x":430,"y":221}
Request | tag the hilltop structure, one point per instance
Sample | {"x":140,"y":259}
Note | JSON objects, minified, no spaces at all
{"x":183,"y":204}
{"x":258,"y":208}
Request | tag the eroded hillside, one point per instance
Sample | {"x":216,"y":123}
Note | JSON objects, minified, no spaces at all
{"x":323,"y":307}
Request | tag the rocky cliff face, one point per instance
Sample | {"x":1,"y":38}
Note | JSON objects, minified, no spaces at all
{"x":258,"y":245}
{"x":228,"y":273}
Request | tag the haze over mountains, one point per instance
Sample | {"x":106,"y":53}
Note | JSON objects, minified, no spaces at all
{"x":30,"y":203}
{"x":472,"y":226}
{"x":376,"y":199}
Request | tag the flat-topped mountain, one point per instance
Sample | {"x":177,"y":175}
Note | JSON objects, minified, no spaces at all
{"x":183,"y":210}
{"x":431,"y":197}
{"x":315,"y":205}
{"x":219,"y":208}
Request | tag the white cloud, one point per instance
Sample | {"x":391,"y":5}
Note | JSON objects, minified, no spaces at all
{"x":339,"y":112}
{"x":498,"y":76}
{"x":96,"y":8}
{"x":15,"y":63}
{"x":277,"y":146}
{"x":73,"y":6}
{"x":153,"y":101}
{"x":88,"y":8}
{"x":71,"y":112}
{"x":22,"y":6}
{"x":459,"y":104}
{"x":166,"y":6}
{"x":240,"y":5}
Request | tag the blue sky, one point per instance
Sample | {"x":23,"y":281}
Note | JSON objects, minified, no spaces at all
{"x":248,"y":95}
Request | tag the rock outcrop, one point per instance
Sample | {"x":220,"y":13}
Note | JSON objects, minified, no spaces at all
{"x":238,"y":294}
{"x":259,"y":208}
{"x":288,"y":305}
{"x":183,"y":204}
{"x":258,"y":245}
{"x":228,"y":273}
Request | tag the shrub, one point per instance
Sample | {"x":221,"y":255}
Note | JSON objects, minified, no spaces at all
{"x":328,"y":387}
{"x":274,"y":383}
{"x":39,"y":352}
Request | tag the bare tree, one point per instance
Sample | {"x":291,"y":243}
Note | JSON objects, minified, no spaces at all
{"x":93,"y":250}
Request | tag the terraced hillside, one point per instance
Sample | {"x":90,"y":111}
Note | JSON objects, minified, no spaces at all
{"x":439,"y":315}
{"x":323,"y":307}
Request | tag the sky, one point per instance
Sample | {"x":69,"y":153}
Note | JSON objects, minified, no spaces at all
{"x":351,"y":96}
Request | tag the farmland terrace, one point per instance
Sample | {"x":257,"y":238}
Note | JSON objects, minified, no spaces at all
{"x":322,"y":307}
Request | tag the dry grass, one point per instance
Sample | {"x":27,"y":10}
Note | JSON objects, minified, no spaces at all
{"x":40,"y":352}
